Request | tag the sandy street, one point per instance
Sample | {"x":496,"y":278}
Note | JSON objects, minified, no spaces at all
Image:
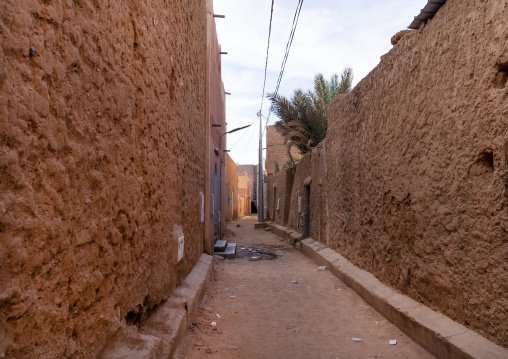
{"x":261,"y":312}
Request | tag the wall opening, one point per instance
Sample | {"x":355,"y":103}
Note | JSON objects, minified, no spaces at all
{"x":274,"y":201}
{"x":306,"y":213}
{"x":486,"y":159}
{"x":501,"y":76}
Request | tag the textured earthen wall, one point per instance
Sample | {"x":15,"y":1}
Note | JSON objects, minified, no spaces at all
{"x":416,"y":158}
{"x":217,"y":117}
{"x":309,"y":183}
{"x":411,"y":183}
{"x":232,"y":186}
{"x":278,"y":192}
{"x":102,"y":164}
{"x":276,"y":151}
{"x":244,"y":194}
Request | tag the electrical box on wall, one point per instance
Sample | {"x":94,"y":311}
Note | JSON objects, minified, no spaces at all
{"x":180,"y":247}
{"x":179,"y":238}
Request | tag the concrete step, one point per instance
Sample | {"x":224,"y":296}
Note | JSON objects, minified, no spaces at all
{"x":220,"y":245}
{"x":229,"y":252}
{"x":259,"y":225}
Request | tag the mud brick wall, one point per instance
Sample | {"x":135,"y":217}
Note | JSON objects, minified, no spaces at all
{"x":217,"y":116}
{"x":232,"y":188}
{"x":101,"y":164}
{"x":278,"y":192}
{"x":411,"y":182}
{"x":416,"y":158}
{"x":276,"y":152}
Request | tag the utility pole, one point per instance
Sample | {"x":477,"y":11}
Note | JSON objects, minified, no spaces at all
{"x":260,"y":170}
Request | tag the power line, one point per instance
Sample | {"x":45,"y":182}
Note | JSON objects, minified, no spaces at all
{"x":264,"y":82}
{"x":267,"y":51}
{"x":244,"y":133}
{"x":252,"y":130}
{"x":289,"y":43}
{"x":288,"y":47}
{"x":283,"y":65}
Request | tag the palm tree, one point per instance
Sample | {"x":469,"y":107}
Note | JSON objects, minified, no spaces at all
{"x":303,"y":121}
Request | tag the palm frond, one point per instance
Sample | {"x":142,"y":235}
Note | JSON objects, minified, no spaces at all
{"x":321,"y":87}
{"x":303,"y":118}
{"x":346,"y":81}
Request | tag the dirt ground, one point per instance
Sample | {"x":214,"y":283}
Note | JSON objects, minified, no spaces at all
{"x":259,"y":312}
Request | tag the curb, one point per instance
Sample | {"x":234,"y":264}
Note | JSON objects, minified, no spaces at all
{"x":161,"y":334}
{"x":259,"y":225}
{"x":434,"y":331}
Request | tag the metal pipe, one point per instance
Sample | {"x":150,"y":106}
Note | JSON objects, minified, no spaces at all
{"x":260,"y":172}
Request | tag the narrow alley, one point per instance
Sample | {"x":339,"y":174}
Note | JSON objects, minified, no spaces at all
{"x":260,"y":312}
{"x":136,"y":137}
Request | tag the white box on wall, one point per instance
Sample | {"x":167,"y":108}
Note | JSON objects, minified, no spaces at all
{"x":181,"y":240}
{"x":179,"y":237}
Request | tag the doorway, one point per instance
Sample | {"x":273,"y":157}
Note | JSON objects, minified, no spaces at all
{"x":274,"y":202}
{"x":306,"y":212}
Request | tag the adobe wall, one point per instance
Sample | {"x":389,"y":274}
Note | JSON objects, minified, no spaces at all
{"x":416,"y":156}
{"x":244,"y":194}
{"x":278,"y":194}
{"x":232,"y":188}
{"x":411,"y":183}
{"x":307,"y":182}
{"x":102,"y":164}
{"x":217,"y":117}
{"x":276,"y":151}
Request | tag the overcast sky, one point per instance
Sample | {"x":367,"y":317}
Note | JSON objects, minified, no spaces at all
{"x":330,"y":35}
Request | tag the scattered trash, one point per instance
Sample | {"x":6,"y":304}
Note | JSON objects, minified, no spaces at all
{"x":393,"y":342}
{"x":339,"y":289}
{"x":294,"y":281}
{"x":298,"y":330}
{"x":233,"y":296}
{"x":377,"y":322}
{"x":357,"y":339}
{"x":218,"y":316}
{"x":226,"y":289}
{"x":321,"y":268}
{"x":194,"y":324}
{"x":213,"y":324}
{"x":255,"y":258}
{"x":32,"y":51}
{"x":242,"y":247}
{"x":332,"y":277}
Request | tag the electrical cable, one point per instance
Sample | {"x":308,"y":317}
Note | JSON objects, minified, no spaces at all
{"x":286,"y":55}
{"x":283,"y":66}
{"x":266,"y":61}
{"x":289,"y":43}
